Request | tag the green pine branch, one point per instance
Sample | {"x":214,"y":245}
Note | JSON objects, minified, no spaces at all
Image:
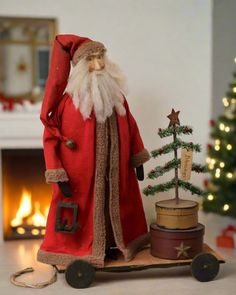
{"x":187,"y":186}
{"x":198,"y":168}
{"x":174,"y":130}
{"x":153,"y":189}
{"x":175,"y":145}
{"x":161,"y":170}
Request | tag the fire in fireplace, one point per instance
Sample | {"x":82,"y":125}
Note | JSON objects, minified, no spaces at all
{"x":26,"y":196}
{"x":29,"y":222}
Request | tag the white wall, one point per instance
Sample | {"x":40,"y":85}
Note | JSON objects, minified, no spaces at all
{"x":164,"y":47}
{"x":224,"y":51}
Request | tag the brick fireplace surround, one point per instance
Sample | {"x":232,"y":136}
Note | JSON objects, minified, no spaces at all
{"x":18,"y":131}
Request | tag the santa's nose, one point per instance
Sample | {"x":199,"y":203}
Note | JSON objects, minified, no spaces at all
{"x":96,"y":65}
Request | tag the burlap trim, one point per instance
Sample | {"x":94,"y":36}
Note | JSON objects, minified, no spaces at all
{"x":135,"y":246}
{"x":99,"y":231}
{"x":63,"y":259}
{"x":86,"y":49}
{"x":140,"y":158}
{"x":56,"y":175}
{"x":114,"y":204}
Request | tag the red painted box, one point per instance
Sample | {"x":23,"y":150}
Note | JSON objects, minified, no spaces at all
{"x":177,"y":244}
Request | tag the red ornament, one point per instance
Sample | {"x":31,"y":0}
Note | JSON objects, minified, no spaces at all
{"x":212,"y":123}
{"x":205,"y":182}
{"x":209,"y":146}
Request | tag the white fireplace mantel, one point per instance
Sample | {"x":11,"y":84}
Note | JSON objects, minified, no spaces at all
{"x":18,"y":131}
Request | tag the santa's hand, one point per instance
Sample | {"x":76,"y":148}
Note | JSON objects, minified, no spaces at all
{"x":140,"y":172}
{"x":65,"y":189}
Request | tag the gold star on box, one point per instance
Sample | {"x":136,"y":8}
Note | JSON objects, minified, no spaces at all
{"x":174,"y":118}
{"x":182,"y":250}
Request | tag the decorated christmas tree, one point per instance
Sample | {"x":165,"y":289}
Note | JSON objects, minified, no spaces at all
{"x":184,"y":163}
{"x":221,"y":159}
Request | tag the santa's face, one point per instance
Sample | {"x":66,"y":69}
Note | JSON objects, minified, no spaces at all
{"x":96,"y":84}
{"x":95,"y":62}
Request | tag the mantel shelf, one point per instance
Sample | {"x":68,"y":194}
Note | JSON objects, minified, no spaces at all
{"x":19,"y":116}
{"x":20,"y":130}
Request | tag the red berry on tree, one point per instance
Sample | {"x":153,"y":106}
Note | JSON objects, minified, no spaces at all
{"x":212,"y":123}
{"x":205,"y":182}
{"x":209,"y":146}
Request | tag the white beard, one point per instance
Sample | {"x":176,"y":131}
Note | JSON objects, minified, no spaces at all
{"x":100,"y":91}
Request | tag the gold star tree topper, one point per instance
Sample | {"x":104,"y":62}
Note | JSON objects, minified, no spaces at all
{"x":174,"y":118}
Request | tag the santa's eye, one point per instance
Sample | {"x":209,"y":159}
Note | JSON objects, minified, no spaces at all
{"x":89,"y":58}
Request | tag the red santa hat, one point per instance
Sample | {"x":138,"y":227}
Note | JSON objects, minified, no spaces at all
{"x":66,"y":49}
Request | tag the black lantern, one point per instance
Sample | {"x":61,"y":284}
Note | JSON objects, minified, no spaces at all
{"x":62,"y":224}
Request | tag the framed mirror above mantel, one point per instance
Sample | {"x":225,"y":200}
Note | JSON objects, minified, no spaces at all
{"x":25,"y":45}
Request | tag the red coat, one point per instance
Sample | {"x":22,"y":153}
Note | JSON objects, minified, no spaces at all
{"x":106,"y":153}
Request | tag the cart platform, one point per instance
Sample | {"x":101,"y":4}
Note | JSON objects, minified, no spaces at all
{"x":204,"y":266}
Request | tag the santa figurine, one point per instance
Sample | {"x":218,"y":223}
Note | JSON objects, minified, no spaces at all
{"x":94,"y":155}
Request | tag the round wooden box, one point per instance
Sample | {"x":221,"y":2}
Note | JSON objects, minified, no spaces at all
{"x":176,"y":244}
{"x":183,"y":215}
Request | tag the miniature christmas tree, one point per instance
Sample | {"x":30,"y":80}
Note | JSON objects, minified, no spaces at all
{"x":221,"y":159}
{"x":175,"y":129}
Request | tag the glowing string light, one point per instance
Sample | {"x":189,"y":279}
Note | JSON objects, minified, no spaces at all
{"x":211,"y":167}
{"x":225,"y":101}
{"x":229,"y":175}
{"x":222,"y":126}
{"x":226,"y":207}
{"x":208,"y":160}
{"x":217,"y":173}
{"x":210,"y":197}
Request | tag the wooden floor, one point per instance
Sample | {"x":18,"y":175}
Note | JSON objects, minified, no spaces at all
{"x":16,"y":255}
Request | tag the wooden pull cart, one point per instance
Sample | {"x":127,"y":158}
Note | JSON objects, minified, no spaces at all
{"x":204,"y":266}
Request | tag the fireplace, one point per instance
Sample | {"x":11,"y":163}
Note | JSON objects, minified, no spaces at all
{"x":25,"y":196}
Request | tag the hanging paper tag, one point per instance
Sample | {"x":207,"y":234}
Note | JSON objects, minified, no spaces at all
{"x":186,"y":164}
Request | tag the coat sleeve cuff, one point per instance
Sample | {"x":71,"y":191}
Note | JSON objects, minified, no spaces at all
{"x":140,"y":158}
{"x":56,"y":175}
